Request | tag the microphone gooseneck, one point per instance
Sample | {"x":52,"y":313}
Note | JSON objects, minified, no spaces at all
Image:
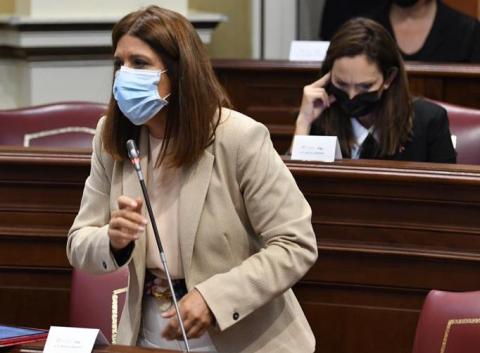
{"x":132,"y":149}
{"x":134,"y":156}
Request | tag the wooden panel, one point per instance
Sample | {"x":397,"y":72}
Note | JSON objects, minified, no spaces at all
{"x":271,"y":91}
{"x":268,"y":91}
{"x":34,"y":297}
{"x":468,"y":7}
{"x":387,"y":233}
{"x":276,"y":86}
{"x":38,"y":347}
{"x":40,"y":197}
{"x":355,"y":318}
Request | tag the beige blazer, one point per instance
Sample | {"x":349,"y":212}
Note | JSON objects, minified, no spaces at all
{"x":245,"y":238}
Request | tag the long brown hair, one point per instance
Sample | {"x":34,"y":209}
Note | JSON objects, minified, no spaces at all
{"x":196,"y":96}
{"x":393,"y":118}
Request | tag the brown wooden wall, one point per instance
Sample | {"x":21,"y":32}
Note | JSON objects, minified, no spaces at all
{"x":387,"y":232}
{"x":469,"y":7}
{"x":271,"y":91}
{"x":40,"y":194}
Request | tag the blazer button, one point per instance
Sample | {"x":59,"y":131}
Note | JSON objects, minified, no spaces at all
{"x":104,"y":265}
{"x":236,"y":316}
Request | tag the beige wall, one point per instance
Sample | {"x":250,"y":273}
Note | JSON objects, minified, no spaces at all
{"x":7,"y":6}
{"x":231,"y":39}
{"x":87,"y":8}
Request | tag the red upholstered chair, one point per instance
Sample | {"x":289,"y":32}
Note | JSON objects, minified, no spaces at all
{"x":66,"y":124}
{"x":465,"y":125}
{"x":96,"y":301}
{"x":449,"y":323}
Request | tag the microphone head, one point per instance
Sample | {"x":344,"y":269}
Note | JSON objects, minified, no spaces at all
{"x":132,"y":149}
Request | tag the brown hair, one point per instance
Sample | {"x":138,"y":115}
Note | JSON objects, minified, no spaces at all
{"x":393,"y":118}
{"x":196,"y":98}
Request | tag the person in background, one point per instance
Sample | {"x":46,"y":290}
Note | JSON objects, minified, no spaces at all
{"x":337,"y":12}
{"x":363,"y":98}
{"x":430,"y":31}
{"x":236,"y":229}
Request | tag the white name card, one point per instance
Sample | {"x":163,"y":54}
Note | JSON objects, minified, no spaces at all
{"x":308,"y":50}
{"x":73,"y":340}
{"x":316,"y":148}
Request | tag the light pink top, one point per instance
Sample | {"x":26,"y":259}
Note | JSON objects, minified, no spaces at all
{"x":163,"y":186}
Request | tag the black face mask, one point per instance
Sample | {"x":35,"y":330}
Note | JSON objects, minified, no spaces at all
{"x":360,"y":105}
{"x":405,"y":3}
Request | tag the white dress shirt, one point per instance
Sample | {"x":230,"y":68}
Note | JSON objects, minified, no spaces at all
{"x":360,"y":133}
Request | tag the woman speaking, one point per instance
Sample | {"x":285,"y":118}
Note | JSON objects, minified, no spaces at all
{"x":235,"y":228}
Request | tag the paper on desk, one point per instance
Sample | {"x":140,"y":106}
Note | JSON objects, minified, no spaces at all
{"x":308,"y":50}
{"x":73,"y":340}
{"x":316,"y":148}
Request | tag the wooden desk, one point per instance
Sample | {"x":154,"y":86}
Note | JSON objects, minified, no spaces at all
{"x":387,"y":233}
{"x":271,"y":91}
{"x":40,"y":193}
{"x":38,"y":347}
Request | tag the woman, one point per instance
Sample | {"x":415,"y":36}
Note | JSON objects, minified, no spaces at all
{"x":363,"y":99}
{"x":236,"y":229}
{"x":429,"y":30}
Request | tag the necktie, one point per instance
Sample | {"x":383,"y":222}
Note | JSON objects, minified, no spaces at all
{"x":369,"y":148}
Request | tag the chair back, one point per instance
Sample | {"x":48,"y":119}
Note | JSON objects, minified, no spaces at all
{"x":465,"y":125}
{"x":66,"y":124}
{"x":96,"y":301}
{"x":449,"y":323}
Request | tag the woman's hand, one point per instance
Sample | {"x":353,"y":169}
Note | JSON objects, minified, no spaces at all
{"x":196,"y":316}
{"x":126,"y":223}
{"x":315,"y":100}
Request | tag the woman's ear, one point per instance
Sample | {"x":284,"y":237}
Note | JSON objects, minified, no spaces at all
{"x":392,"y":74}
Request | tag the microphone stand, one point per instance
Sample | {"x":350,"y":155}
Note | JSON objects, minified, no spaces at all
{"x":133,"y":154}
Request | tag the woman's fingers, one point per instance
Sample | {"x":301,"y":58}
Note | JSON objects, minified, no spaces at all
{"x":332,"y":99}
{"x":172,"y":330}
{"x":322,"y":81}
{"x":121,"y":236}
{"x":322,"y":97}
{"x":196,"y":316}
{"x":119,"y":239}
{"x":127,"y":223}
{"x":125,"y":202}
{"x":315,"y":100}
{"x":131,"y":216}
{"x":196,"y":328}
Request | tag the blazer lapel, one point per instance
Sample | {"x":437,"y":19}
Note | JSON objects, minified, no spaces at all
{"x":196,"y":180}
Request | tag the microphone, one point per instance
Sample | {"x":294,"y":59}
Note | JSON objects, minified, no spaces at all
{"x":134,"y":156}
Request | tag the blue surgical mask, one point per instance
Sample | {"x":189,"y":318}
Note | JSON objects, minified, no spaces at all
{"x":136,"y":92}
